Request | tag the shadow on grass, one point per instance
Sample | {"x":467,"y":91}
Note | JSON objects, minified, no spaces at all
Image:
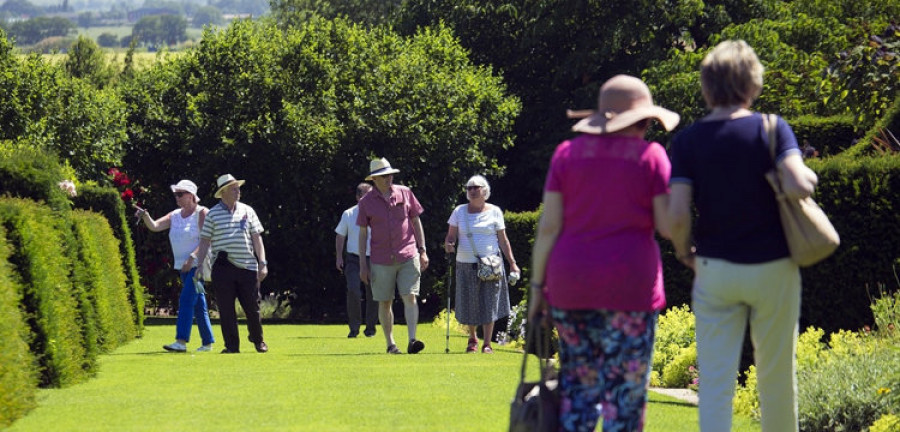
{"x":675,"y":403}
{"x":170,"y":320}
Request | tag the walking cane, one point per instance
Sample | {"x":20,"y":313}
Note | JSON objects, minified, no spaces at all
{"x":449,"y":281}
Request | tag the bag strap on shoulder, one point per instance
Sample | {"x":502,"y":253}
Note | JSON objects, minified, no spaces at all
{"x":770,"y":124}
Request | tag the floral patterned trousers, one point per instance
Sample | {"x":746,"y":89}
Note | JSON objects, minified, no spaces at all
{"x":605,"y":359}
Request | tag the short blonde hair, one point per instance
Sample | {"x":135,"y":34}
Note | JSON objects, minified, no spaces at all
{"x":731,"y":74}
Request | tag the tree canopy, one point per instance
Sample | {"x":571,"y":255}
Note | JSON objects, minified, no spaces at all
{"x":299,"y":114}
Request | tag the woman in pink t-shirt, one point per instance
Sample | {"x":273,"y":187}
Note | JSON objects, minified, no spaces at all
{"x":596,"y":264}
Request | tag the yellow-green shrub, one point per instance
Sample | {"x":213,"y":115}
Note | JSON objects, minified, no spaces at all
{"x":746,"y":397}
{"x":887,"y":423}
{"x":674,"y":332}
{"x":810,"y":347}
{"x":677,"y":374}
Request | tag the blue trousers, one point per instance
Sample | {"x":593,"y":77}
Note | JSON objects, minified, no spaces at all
{"x":191,"y":306}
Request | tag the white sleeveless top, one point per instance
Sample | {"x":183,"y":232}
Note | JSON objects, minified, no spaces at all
{"x":184,"y":235}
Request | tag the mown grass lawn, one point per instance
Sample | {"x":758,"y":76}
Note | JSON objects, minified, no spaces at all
{"x":312,"y":379}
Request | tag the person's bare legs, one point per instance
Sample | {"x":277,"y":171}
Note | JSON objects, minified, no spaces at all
{"x":386,"y":316}
{"x":488,"y":332}
{"x":411,"y":312}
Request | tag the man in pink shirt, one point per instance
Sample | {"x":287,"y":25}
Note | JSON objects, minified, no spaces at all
{"x":391,"y":212}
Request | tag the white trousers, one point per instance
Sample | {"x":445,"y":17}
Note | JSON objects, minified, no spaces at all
{"x":725,"y":296}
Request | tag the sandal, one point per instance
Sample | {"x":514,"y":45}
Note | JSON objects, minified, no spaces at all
{"x":473,"y":346}
{"x":486,"y":349}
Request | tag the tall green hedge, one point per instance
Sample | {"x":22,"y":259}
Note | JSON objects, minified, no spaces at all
{"x":861,"y":197}
{"x":39,"y":253}
{"x":18,"y":377}
{"x":106,"y":285}
{"x":520,"y":229}
{"x":107,"y":202}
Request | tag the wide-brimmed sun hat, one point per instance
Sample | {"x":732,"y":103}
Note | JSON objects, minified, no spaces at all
{"x":187,"y":186}
{"x":624,"y":100}
{"x":380,"y":167}
{"x":224,"y":181}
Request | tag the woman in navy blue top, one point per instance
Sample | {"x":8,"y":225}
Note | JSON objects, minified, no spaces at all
{"x":743,"y":271}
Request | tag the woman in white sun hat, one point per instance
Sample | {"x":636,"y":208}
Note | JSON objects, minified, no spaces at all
{"x":184,"y":224}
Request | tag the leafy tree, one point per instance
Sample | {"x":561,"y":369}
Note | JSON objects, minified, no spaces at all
{"x":299,"y":114}
{"x":865,"y":78}
{"x":295,"y":12}
{"x":795,"y":42}
{"x":85,"y":60}
{"x":207,"y":15}
{"x":36,"y":29}
{"x":554,"y":55}
{"x":86,"y":19}
{"x":65,"y":116}
{"x":107,"y":40}
{"x":157,"y":30}
{"x":21,"y":8}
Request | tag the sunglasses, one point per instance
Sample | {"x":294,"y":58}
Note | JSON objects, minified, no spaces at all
{"x":180,"y":194}
{"x":471,"y":188}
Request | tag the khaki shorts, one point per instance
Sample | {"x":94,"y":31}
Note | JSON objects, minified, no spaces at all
{"x":404,"y":276}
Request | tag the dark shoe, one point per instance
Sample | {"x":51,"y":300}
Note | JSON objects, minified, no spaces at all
{"x":262,"y":347}
{"x":228,"y":351}
{"x":415,"y":346}
{"x":393,"y":350}
{"x":369,"y":333}
{"x":353,"y":334}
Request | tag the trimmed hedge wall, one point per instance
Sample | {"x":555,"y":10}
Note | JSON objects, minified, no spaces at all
{"x":862,"y":198}
{"x":36,"y":234}
{"x":106,"y":285}
{"x":829,"y":135}
{"x":890,"y":121}
{"x":106,"y":201}
{"x":29,"y":173}
{"x":520,"y":230}
{"x":64,"y":296}
{"x":18,"y":377}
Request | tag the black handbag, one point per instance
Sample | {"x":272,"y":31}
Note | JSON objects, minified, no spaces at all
{"x":535,"y":407}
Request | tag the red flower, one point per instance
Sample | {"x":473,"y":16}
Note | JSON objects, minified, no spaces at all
{"x":121,"y":179}
{"x":113,"y":171}
{"x":127,"y":195}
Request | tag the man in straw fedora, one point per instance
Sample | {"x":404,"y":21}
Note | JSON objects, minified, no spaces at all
{"x":233,"y":231}
{"x":398,"y":257}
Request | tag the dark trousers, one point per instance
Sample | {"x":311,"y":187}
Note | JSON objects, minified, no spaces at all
{"x":230,"y":283}
{"x":355,"y":290}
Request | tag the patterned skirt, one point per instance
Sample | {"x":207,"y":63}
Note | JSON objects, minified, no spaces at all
{"x":479,"y":302}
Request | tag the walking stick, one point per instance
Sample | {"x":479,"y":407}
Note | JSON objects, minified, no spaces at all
{"x":449,"y":282}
